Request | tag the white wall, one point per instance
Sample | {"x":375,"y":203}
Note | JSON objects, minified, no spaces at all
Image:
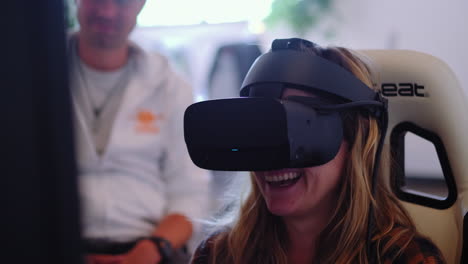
{"x":192,"y":48}
{"x":439,"y":28}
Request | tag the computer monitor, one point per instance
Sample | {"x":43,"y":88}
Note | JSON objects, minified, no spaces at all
{"x":37,"y":171}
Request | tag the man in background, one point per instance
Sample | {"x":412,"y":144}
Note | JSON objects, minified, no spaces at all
{"x":139,"y":189}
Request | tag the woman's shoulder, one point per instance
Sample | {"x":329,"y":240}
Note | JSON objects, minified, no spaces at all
{"x":419,"y":249}
{"x":203,"y":252}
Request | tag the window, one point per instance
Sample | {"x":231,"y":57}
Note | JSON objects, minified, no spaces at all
{"x":186,"y":12}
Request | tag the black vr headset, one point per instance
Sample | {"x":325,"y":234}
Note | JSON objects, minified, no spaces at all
{"x":264,"y":131}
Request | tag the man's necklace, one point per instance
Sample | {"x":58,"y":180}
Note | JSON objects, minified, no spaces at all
{"x":117,"y":87}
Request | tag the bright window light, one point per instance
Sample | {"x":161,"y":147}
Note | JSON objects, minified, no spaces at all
{"x":189,"y":12}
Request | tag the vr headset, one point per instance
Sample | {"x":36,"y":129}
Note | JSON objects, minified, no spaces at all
{"x":263,"y":131}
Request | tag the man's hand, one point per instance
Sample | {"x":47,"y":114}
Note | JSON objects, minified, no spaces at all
{"x":144,"y":252}
{"x":103,"y":259}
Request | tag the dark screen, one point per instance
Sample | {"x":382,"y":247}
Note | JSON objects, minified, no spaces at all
{"x":40,"y":204}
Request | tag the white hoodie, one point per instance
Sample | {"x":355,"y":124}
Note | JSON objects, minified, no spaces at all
{"x":145,"y":172}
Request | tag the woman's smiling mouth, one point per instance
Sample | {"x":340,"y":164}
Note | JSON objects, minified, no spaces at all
{"x":281,"y":178}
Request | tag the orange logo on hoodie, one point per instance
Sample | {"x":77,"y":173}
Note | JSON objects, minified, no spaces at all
{"x":147,"y":122}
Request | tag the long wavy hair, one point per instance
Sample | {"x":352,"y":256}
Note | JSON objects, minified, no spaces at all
{"x":257,"y":236}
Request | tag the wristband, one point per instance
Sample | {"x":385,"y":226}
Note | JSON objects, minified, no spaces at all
{"x":164,"y":247}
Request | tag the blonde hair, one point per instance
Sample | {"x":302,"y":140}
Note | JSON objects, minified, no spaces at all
{"x":260,"y":237}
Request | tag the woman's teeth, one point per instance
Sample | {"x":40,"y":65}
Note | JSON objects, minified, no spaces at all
{"x":282,"y":177}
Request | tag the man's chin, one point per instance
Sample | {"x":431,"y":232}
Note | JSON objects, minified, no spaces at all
{"x":105,"y":41}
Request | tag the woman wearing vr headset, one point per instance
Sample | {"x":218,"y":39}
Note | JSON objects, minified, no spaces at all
{"x":330,"y":213}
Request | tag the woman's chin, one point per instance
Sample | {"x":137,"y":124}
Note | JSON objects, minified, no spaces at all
{"x":279,"y":209}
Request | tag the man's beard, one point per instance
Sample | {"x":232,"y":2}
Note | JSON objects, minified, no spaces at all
{"x":102,"y":41}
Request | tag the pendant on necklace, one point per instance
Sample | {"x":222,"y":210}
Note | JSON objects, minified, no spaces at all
{"x":97,"y":113}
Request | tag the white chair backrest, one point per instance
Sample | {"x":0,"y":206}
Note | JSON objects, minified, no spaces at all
{"x":426,"y":99}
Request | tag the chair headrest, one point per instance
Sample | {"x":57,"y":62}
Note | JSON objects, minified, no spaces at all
{"x":424,"y":91}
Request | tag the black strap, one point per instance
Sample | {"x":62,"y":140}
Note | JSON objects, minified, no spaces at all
{"x":375,"y":108}
{"x":305,"y":70}
{"x":464,"y":258}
